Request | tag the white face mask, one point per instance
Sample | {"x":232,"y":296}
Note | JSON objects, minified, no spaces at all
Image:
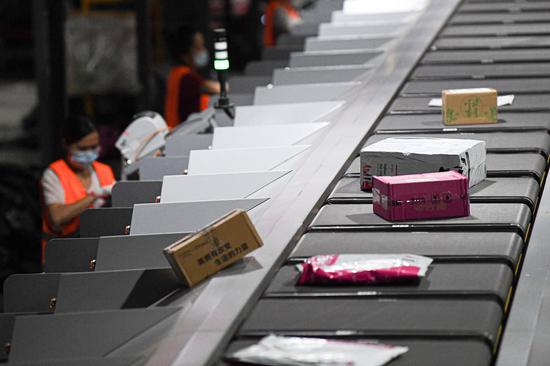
{"x":201,"y":59}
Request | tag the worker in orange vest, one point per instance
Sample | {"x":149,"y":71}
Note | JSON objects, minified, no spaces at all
{"x":187,"y":91}
{"x":75,"y":183}
{"x":280,"y":16}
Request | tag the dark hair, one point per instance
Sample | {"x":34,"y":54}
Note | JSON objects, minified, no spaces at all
{"x":181,"y":41}
{"x":76,"y":128}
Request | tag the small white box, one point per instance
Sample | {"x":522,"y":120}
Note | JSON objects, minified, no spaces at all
{"x":416,"y":155}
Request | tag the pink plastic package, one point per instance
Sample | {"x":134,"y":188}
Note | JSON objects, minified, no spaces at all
{"x":421,"y":196}
{"x":369,"y":269}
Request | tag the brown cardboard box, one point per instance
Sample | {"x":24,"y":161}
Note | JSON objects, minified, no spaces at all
{"x":469,"y":106}
{"x":201,"y":255}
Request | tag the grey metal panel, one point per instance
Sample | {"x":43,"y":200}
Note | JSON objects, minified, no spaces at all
{"x":491,"y":42}
{"x":495,"y":217}
{"x":70,"y":255}
{"x":312,"y":75}
{"x":333,"y":58}
{"x":481,"y":71}
{"x":488,"y":18}
{"x":290,"y":40}
{"x":496,"y":142}
{"x":497,"y":30}
{"x":307,"y":28}
{"x":462,"y":280}
{"x":78,"y":292}
{"x":30,"y":293}
{"x":498,"y":165}
{"x":279,"y":52}
{"x":134,"y":251}
{"x":103,"y":221}
{"x":486,"y":57}
{"x":264,"y":68}
{"x":366,"y":317}
{"x":158,"y":167}
{"x":433,"y":352}
{"x":345,"y":43}
{"x":79,"y":335}
{"x":500,"y":190}
{"x":464,"y":245}
{"x":128,"y":193}
{"x":302,"y":93}
{"x":503,"y":86}
{"x":178,"y":145}
{"x":247,"y":84}
{"x":522,"y":103}
{"x":431,"y":122}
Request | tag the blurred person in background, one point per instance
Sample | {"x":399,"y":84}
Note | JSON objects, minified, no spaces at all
{"x":75,"y":183}
{"x":187,"y":91}
{"x":279,"y":18}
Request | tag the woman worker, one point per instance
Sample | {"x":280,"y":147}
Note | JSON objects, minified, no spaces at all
{"x":75,"y":183}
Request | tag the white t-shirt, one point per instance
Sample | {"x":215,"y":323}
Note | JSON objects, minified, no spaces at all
{"x":53,"y":190}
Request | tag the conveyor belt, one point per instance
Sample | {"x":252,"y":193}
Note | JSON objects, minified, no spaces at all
{"x":457,"y":43}
{"x":498,"y":165}
{"x":496,"y":142}
{"x":465,"y":246}
{"x":110,"y":298}
{"x":504,"y":86}
{"x":492,"y":190}
{"x":522,"y":103}
{"x":432,"y":122}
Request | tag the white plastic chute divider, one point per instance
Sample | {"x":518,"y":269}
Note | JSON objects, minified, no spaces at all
{"x":285,"y":113}
{"x":207,"y":187}
{"x":245,"y":160}
{"x":177,"y":217}
{"x":267,"y":135}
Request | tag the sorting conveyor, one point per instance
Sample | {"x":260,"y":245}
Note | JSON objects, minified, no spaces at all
{"x":116,"y":301}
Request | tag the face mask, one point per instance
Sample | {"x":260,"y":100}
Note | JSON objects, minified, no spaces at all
{"x":201,"y":59}
{"x":85,"y":158}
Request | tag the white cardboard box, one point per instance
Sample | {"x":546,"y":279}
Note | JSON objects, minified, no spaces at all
{"x":415,"y":155}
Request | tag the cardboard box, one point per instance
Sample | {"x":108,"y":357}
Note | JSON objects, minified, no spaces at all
{"x":201,"y":255}
{"x":421,"y":196}
{"x":417,"y":155}
{"x":469,"y":106}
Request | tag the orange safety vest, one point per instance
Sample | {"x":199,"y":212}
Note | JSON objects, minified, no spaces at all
{"x":269,"y":26}
{"x":172,"y":100}
{"x":74,"y":191}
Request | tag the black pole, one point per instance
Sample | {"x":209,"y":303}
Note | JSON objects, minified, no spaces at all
{"x":143,"y":29}
{"x":49,"y":47}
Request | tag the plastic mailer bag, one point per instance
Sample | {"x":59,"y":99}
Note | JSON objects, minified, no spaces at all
{"x":362,"y":269}
{"x":276,"y":350}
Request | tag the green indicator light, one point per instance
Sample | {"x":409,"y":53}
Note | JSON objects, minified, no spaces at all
{"x":221,"y":64}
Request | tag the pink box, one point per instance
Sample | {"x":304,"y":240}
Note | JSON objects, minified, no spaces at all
{"x":421,"y":196}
